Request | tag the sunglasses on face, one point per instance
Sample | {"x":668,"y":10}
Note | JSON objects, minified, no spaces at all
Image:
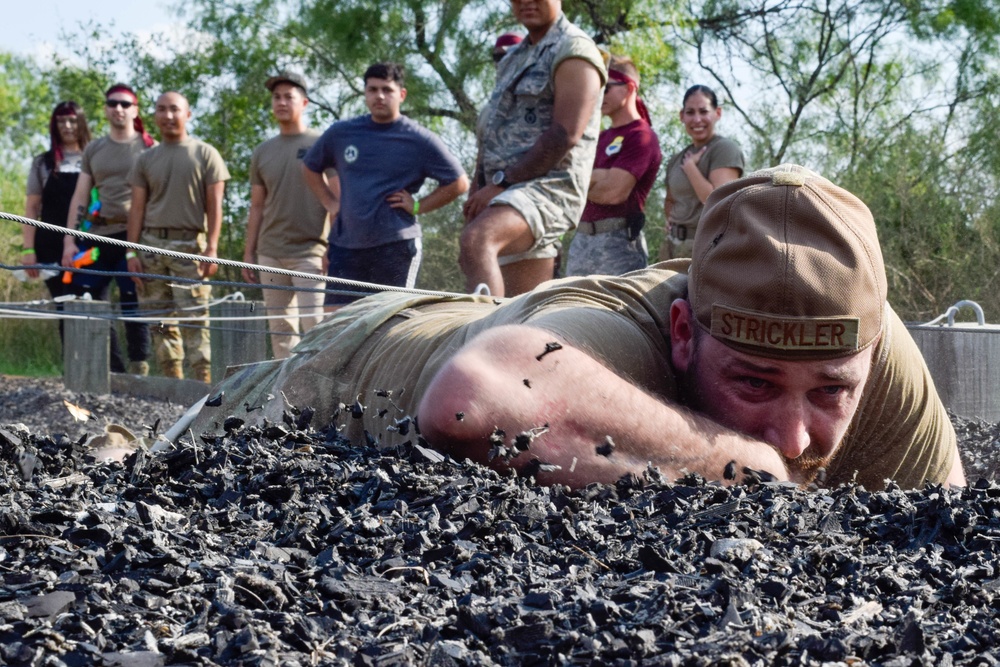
{"x":607,"y":88}
{"x":124,"y":104}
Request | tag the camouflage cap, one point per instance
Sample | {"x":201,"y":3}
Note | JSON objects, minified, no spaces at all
{"x":788,"y":265}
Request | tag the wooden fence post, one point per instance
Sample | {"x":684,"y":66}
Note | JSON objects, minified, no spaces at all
{"x":236,"y":342}
{"x":86,"y":347}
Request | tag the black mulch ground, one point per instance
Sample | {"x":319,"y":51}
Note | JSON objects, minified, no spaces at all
{"x":289,"y":546}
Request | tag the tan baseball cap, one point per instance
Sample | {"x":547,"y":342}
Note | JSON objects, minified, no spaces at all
{"x":788,"y":265}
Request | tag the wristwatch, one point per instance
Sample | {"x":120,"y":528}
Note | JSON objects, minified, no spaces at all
{"x":500,"y":180}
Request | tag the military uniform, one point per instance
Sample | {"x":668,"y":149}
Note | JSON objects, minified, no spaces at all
{"x":682,"y":222}
{"x":176,"y":177}
{"x":397,"y":343}
{"x":518,"y":112}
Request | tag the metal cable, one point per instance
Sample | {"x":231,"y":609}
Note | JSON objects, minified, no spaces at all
{"x":93,"y":238}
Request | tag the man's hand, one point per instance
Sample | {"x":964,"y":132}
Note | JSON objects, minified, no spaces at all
{"x":208,"y":269}
{"x":402,"y":200}
{"x":135,"y":266}
{"x":249,"y":275}
{"x":30,"y":258}
{"x":479,"y":201}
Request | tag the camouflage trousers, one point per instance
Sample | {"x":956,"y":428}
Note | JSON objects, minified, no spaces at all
{"x":606,"y":253}
{"x":174,"y":344}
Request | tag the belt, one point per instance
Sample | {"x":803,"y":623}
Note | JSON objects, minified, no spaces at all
{"x":680,"y":232}
{"x":172,"y":234}
{"x":601,"y":226}
{"x":99,"y":221}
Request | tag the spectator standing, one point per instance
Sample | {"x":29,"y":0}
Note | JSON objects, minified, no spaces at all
{"x":609,"y":239}
{"x":382,"y":159}
{"x":106,"y":165}
{"x":287,"y":225}
{"x":706,"y":163}
{"x":51,"y":182}
{"x":177,"y":190}
{"x":537,"y":138}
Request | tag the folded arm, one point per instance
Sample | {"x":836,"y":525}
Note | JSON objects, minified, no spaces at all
{"x":569,"y":405}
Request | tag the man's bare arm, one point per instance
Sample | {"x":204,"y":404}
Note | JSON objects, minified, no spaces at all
{"x":258,"y":193}
{"x":213,"y":221}
{"x":572,"y":406}
{"x":610,"y":186}
{"x":77,"y":207}
{"x":957,"y":475}
{"x":319,"y":186}
{"x":577,"y":91}
{"x":136,"y":218}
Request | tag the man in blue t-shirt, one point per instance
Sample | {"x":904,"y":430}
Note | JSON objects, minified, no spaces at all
{"x":382,"y":160}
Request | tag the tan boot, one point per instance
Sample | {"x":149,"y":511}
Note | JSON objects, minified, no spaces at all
{"x":173,"y":369}
{"x":203,"y":374}
{"x":138,"y":368}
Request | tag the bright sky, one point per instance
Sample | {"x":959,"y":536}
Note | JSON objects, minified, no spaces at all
{"x":33,"y":27}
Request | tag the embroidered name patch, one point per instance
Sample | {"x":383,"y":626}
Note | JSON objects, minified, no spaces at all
{"x":785,"y":333}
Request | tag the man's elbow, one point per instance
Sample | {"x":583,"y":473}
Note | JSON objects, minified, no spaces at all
{"x":461,"y":185}
{"x":447,"y":412}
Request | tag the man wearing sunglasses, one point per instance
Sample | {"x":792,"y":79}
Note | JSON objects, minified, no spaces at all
{"x":106,"y":165}
{"x":609,"y":238}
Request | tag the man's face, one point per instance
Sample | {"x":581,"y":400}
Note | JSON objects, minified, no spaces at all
{"x":287,"y":103}
{"x":383,"y":99}
{"x":801,"y":408}
{"x":118,"y":116}
{"x":534,"y":14}
{"x":615,"y":96}
{"x":172,"y":114}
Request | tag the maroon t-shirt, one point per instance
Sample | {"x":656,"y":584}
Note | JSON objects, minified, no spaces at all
{"x":634,"y":148}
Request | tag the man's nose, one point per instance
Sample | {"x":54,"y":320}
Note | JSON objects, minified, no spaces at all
{"x":788,"y":431}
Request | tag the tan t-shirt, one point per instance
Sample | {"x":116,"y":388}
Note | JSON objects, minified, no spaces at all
{"x":398,"y":343}
{"x":108,"y":163}
{"x":720,"y":153}
{"x":295,"y":224}
{"x":176,"y":177}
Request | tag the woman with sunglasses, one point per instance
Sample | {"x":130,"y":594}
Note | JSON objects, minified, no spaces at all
{"x":51,"y":182}
{"x":100,"y":205}
{"x":703,"y":165}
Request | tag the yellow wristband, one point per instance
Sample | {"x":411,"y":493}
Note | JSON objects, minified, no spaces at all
{"x":28,"y":251}
{"x":130,"y":254}
{"x":416,"y":206}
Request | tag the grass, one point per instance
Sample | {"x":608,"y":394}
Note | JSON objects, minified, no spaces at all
{"x":30,"y":348}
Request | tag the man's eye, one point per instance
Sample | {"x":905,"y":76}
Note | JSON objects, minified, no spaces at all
{"x":832,"y":390}
{"x":755,"y":382}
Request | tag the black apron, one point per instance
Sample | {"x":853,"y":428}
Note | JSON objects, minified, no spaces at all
{"x":56,"y":196}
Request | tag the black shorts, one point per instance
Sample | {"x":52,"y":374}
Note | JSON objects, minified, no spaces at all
{"x":393,"y":264}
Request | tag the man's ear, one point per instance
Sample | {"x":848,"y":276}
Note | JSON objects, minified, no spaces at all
{"x":681,"y":334}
